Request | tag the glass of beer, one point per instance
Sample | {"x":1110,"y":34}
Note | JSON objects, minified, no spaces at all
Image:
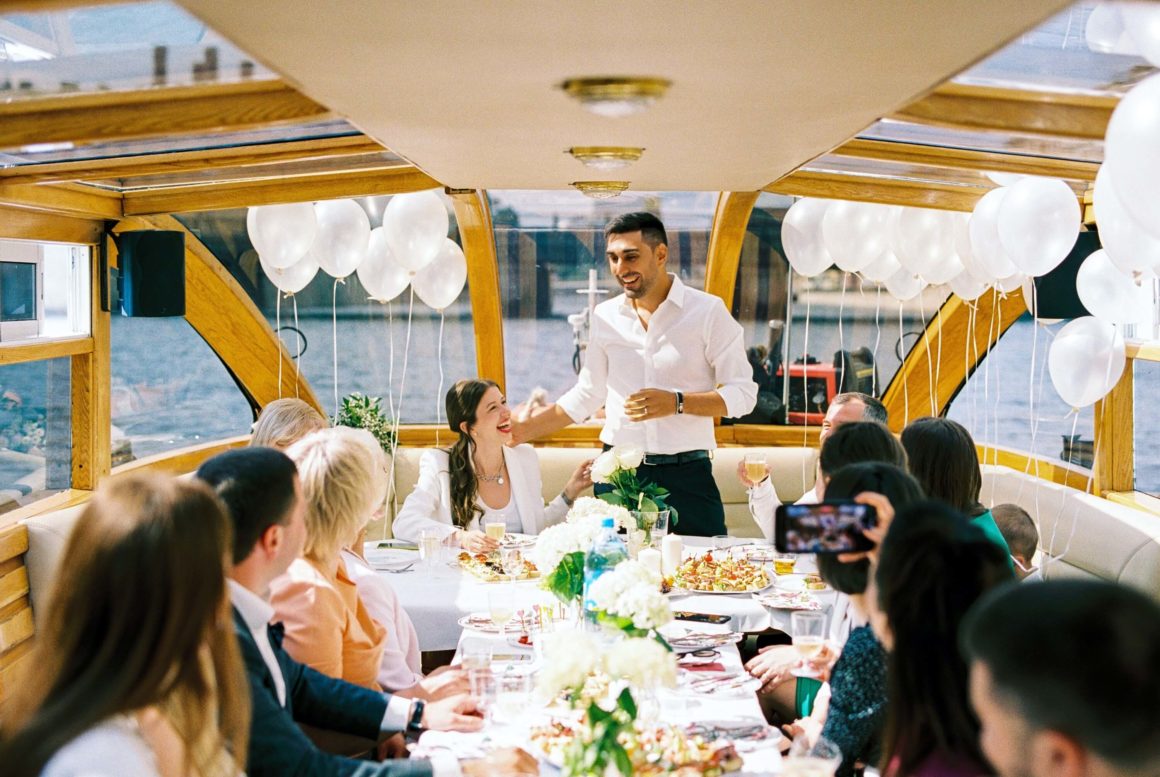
{"x":756,"y":468}
{"x":783,"y":563}
{"x":495,"y":528}
{"x":809,"y":637}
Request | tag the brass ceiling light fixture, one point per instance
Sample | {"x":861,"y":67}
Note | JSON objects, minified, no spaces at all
{"x":606,"y":157}
{"x":601,"y":190}
{"x":616,"y":96}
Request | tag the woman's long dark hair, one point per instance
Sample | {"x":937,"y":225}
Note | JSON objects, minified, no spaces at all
{"x":139,"y":617}
{"x":462,"y":402}
{"x":932,"y":567}
{"x":944,"y":461}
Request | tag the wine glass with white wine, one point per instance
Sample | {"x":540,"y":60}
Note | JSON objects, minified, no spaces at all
{"x":808,"y":630}
{"x":500,"y":607}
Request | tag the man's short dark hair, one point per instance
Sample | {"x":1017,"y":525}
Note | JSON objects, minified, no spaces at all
{"x":1079,"y":657}
{"x":860,"y":441}
{"x":1017,"y":528}
{"x":257,"y":487}
{"x":872,"y":408}
{"x":651,"y":230}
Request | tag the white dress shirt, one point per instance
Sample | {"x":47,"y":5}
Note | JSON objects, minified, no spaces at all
{"x":112,"y":748}
{"x":763,"y":504}
{"x":692,"y":344}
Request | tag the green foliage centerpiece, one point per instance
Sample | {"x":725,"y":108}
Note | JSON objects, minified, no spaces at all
{"x":617,"y":467}
{"x":362,"y":412}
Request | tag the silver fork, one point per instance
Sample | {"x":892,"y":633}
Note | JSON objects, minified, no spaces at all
{"x":400,"y":569}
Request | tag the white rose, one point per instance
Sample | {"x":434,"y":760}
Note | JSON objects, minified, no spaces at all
{"x":570,"y":656}
{"x":628,"y":456}
{"x":643,"y":662}
{"x":604,"y":467}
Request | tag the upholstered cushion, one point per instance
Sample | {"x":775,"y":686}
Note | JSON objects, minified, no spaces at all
{"x":47,"y":536}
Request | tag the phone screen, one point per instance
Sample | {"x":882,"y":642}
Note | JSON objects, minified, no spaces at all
{"x":827,"y":527}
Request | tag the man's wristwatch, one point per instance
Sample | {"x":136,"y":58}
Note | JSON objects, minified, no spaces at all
{"x":680,"y":402}
{"x":416,"y":721}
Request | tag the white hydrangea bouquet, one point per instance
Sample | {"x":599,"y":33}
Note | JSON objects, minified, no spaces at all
{"x":570,"y":659}
{"x":617,"y":467}
{"x":628,"y":599}
{"x":559,"y":551}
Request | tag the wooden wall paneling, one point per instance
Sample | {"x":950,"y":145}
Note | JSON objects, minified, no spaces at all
{"x":966,"y":159}
{"x":860,"y":188}
{"x":229,"y":321}
{"x":50,"y":349}
{"x":23,"y":224}
{"x":473,"y":215}
{"x":1114,"y":437}
{"x":730,"y":221}
{"x":1052,"y":471}
{"x":182,"y":461}
{"x":65,"y":199}
{"x":948,"y":333}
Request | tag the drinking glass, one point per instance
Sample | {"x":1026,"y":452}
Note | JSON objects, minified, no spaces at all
{"x":819,"y":760}
{"x":637,"y":541}
{"x":756,"y":467}
{"x":495,"y":528}
{"x":809,"y":637}
{"x":500,"y":607}
{"x":783,"y":563}
{"x":512,"y":562}
{"x":430,"y":547}
{"x":512,"y":694}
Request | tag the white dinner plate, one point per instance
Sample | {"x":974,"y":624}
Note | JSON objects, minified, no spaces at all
{"x":390,"y":558}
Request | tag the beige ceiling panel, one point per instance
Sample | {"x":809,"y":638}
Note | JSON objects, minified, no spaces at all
{"x":465,"y":89}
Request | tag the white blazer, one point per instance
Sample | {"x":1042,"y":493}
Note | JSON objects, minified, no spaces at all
{"x":429,"y":505}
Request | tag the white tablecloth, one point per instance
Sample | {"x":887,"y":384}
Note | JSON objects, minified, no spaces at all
{"x":678,"y":706}
{"x":436,"y":599}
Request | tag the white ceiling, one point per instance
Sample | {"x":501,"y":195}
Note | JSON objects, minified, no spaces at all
{"x":466,"y":89}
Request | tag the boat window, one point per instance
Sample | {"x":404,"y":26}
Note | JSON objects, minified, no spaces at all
{"x":835,"y":319}
{"x":550,"y":250}
{"x":378,"y":343}
{"x":114,"y":47}
{"x":1009,"y":402}
{"x":35,"y":431}
{"x":1146,"y":423}
{"x":44,"y":290}
{"x":181,"y":396}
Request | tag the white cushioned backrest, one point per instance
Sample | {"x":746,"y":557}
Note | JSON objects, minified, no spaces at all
{"x":1083,"y":535}
{"x":47,"y":536}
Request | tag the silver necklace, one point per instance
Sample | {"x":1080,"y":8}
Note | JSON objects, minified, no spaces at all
{"x":496,"y":478}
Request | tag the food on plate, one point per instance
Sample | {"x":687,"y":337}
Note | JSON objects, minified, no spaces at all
{"x":487,"y":567}
{"x":653,"y":751}
{"x":721,"y":574}
{"x":815,"y":583}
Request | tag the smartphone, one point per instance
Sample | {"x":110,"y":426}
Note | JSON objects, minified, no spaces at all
{"x":827,"y":527}
{"x":703,"y":617}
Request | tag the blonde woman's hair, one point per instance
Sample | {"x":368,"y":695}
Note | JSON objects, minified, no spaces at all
{"x":283,"y":422}
{"x":343,"y":483}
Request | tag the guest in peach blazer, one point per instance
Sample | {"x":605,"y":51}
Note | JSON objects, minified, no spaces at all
{"x":327,"y":625}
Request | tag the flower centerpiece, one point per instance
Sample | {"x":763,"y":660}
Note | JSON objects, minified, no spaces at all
{"x":617,"y":467}
{"x":628,"y":599}
{"x":559,"y":551}
{"x":571,"y":658}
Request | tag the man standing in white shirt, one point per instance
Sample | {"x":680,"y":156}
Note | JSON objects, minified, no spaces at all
{"x":663,"y":360}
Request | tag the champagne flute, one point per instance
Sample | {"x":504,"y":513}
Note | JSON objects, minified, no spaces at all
{"x":809,"y":637}
{"x":756,"y":467}
{"x":430,"y":547}
{"x":500,"y":607}
{"x":495,"y":528}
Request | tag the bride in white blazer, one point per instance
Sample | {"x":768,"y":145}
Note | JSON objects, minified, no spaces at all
{"x":480,"y":478}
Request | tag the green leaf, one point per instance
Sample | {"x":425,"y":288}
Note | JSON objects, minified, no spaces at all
{"x":627,"y":703}
{"x":566,"y":582}
{"x":623,"y":762}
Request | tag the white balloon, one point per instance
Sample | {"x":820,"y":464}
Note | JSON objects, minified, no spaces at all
{"x":1086,"y":360}
{"x":966,"y":286}
{"x":856,"y":233}
{"x":1142,"y":23}
{"x":1010,"y":283}
{"x":416,"y":225}
{"x":963,"y":249}
{"x":1105,"y":31}
{"x":382,"y":276}
{"x":294,"y":278}
{"x":1129,"y":247}
{"x":1109,"y":294}
{"x":282,"y":234}
{"x":440,"y":282}
{"x":904,"y":285}
{"x":1039,"y":224}
{"x":987,"y":250}
{"x":883,"y":267}
{"x":344,"y":232}
{"x":801,"y":237}
{"x":924,"y":239}
{"x":1132,"y":153}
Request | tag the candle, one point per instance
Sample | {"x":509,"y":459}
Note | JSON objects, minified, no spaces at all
{"x":651,"y":558}
{"x":671,"y":553}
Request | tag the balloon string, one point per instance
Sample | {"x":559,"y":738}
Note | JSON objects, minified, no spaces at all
{"x":334,"y":333}
{"x":439,"y":394}
{"x":402,"y":389}
{"x":278,"y":331}
{"x":1051,"y":559}
{"x":805,"y":385}
{"x":967,"y":382}
{"x":998,"y":385}
{"x":901,"y":372}
{"x":394,"y":420}
{"x":298,"y":356}
{"x":841,"y":335}
{"x":1032,"y":417}
{"x":877,"y":338}
{"x":987,"y":377}
{"x":926,"y":347}
{"x":938,"y":353}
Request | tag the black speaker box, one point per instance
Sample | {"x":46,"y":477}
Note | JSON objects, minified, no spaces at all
{"x":1055,"y":292}
{"x":152,"y":279}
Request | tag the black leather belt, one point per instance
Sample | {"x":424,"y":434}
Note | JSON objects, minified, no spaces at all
{"x":662,"y":459}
